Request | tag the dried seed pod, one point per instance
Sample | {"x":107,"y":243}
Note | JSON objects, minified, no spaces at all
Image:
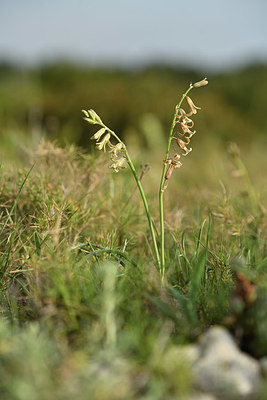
{"x":182,"y":146}
{"x":173,"y":163}
{"x":192,"y":107}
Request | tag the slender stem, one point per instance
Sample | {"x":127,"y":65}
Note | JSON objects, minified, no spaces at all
{"x":161,"y":189}
{"x":111,"y":132}
{"x":143,"y":196}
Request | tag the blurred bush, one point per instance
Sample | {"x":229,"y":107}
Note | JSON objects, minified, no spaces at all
{"x":48,"y":100}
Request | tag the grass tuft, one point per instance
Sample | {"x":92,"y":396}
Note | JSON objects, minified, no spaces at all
{"x":83,"y":310}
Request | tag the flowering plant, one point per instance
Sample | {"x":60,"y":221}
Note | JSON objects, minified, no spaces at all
{"x":120,"y":157}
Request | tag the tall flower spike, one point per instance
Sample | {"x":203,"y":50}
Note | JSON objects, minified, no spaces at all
{"x":102,"y":138}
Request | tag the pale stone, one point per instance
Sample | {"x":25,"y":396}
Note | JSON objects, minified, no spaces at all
{"x":223,"y":369}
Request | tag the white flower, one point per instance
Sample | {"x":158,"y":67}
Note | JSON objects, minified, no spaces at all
{"x":102,"y":145}
{"x":118,"y":164}
{"x":98,"y":134}
{"x":118,"y":148}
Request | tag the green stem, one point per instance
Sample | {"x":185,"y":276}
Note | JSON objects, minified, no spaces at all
{"x":143,"y":196}
{"x":161,"y":189}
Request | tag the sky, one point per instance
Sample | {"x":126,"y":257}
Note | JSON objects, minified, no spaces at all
{"x":206,"y":34}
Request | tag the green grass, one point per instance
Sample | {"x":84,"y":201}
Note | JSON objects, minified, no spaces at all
{"x":83,"y":311}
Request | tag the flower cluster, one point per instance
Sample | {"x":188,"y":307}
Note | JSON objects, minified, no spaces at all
{"x":183,"y":119}
{"x":102,"y":138}
{"x":118,"y":160}
{"x":172,"y":163}
{"x":186,"y":124}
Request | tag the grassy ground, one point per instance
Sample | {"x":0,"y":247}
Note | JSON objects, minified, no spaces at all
{"x":83,"y":313}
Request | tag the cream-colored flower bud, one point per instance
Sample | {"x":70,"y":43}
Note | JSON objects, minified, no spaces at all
{"x":204,"y":82}
{"x":94,"y":116}
{"x":102,"y":145}
{"x":85,"y":113}
{"x":98,"y":134}
{"x":90,"y":121}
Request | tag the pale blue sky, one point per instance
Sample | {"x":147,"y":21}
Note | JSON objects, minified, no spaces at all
{"x":204,"y":33}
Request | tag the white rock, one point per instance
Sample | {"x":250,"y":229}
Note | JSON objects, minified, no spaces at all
{"x":223,"y":369}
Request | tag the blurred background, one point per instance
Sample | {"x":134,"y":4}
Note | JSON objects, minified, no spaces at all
{"x":131,"y":61}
